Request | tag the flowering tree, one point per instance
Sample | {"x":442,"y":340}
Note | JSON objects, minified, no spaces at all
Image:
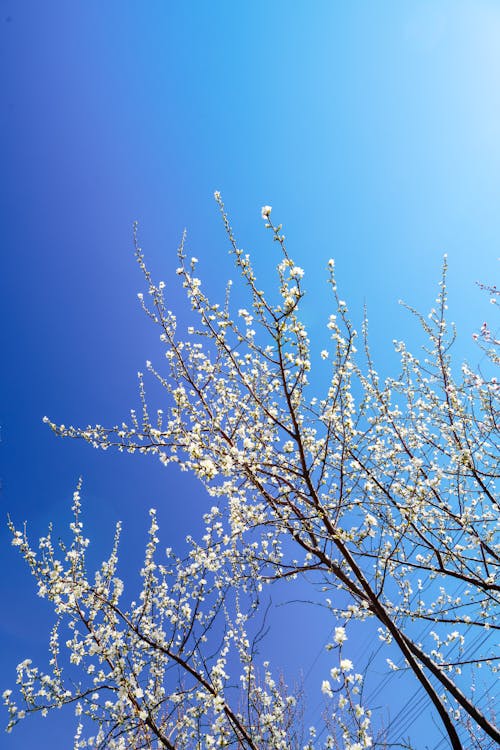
{"x":382,"y":492}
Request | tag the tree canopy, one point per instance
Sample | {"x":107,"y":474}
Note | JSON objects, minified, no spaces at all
{"x":378,"y":492}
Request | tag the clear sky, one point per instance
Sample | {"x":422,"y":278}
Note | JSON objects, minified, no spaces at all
{"x":373,"y":129}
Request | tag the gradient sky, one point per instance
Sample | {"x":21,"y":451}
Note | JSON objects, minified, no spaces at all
{"x":373,"y":129}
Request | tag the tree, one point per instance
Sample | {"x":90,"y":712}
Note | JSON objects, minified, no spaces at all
{"x":382,"y":492}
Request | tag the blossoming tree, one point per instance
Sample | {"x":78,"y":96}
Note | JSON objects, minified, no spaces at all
{"x":381,"y":492}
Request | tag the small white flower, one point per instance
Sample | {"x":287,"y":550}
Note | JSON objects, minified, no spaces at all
{"x":346,"y":665}
{"x":340,"y":635}
{"x":266,"y":212}
{"x":326,"y":688}
{"x":324,"y":354}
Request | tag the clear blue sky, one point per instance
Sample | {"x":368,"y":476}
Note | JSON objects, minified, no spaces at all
{"x":373,"y":129}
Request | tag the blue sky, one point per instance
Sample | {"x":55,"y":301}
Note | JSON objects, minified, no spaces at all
{"x":373,"y":129}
